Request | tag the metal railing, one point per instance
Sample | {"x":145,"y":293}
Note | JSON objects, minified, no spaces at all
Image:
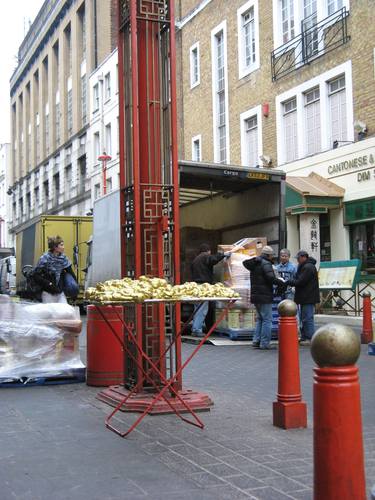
{"x":315,"y":40}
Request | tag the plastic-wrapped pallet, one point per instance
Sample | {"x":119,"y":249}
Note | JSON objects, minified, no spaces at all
{"x":39,"y":341}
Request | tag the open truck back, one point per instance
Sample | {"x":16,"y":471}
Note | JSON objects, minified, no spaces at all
{"x":32,"y":242}
{"x":219,"y":205}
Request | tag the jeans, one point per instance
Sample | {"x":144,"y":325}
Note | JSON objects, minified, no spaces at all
{"x":263,"y":327}
{"x":306,"y":314}
{"x":199,"y":317}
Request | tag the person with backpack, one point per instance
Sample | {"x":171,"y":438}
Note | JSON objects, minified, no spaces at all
{"x":262,"y":279}
{"x":54,"y":274}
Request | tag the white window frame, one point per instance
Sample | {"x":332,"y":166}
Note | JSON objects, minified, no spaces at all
{"x":220,"y":27}
{"x":256,"y":111}
{"x":95,"y":98}
{"x":322,"y":13}
{"x":244,"y":70}
{"x":96,"y":146}
{"x":107,"y":86}
{"x":197,"y":81}
{"x":320,"y":81}
{"x":108,"y":139}
{"x":194,"y":140}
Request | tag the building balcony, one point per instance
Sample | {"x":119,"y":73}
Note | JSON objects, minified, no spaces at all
{"x":315,"y":40}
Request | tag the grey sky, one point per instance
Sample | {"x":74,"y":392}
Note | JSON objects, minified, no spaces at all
{"x":15,"y":16}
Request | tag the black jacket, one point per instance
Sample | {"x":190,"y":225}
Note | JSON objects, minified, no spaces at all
{"x":306,"y":283}
{"x":262,"y":279}
{"x":202,"y":267}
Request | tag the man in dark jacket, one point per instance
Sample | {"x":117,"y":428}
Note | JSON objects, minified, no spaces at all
{"x":307,"y":294}
{"x":262,"y":279}
{"x":202,"y":270}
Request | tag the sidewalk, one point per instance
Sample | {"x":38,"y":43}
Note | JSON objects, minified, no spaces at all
{"x":54,"y":444}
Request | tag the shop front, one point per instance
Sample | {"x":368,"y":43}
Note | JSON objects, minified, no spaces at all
{"x":337,"y":187}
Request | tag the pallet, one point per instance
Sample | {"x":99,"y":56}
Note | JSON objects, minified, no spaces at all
{"x":242,"y":334}
{"x":77,"y":377}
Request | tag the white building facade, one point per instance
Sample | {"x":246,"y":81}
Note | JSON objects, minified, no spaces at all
{"x":4,"y":219}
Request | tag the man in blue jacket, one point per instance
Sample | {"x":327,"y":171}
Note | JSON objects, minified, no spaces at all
{"x":262,"y":279}
{"x":287,"y":271}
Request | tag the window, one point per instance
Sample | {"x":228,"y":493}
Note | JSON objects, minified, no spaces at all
{"x":37,"y":137}
{"x":57,"y":118}
{"x":196,"y":154}
{"x":337,"y":110}
{"x":46,"y":132}
{"x":96,"y":191}
{"x":316,"y":115}
{"x":251,"y":136}
{"x":312,"y":116}
{"x":56,"y":186}
{"x":108,"y":139}
{"x":309,"y":21}
{"x":96,"y":146}
{"x":290,"y":129}
{"x":84,"y":99}
{"x":220,"y":98}
{"x":109,"y":184}
{"x":107,"y":86}
{"x":70,"y":112}
{"x":68,"y":178}
{"x":248,"y":41}
{"x":45,"y":191}
{"x":287,"y":20}
{"x":95,"y":103}
{"x":36,"y":197}
{"x":363,"y":244}
{"x":334,"y":6}
{"x":194,"y":66}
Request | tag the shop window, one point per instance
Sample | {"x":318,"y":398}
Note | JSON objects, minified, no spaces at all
{"x":325,"y":238}
{"x":362,"y":237}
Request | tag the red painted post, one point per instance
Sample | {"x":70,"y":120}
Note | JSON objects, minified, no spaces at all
{"x":367,"y":333}
{"x":104,"y":158}
{"x":289,"y":411}
{"x":338,"y":446}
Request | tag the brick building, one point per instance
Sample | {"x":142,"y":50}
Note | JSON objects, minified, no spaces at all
{"x":288,"y":84}
{"x":50,"y":107}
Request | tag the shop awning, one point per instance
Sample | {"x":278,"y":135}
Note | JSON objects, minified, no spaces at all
{"x":311,"y":194}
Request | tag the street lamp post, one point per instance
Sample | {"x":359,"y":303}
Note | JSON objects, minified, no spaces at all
{"x":104,"y":158}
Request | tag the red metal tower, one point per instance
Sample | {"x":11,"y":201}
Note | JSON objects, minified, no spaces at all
{"x":149,"y":200}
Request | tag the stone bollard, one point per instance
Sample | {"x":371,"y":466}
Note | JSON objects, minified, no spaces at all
{"x":367,"y":334}
{"x":338,"y":446}
{"x":289,"y":411}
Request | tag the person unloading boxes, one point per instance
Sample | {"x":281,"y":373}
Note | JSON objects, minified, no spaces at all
{"x":202,"y":269}
{"x":262,"y":279}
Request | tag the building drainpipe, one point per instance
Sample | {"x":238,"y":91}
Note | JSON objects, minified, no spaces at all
{"x":95,"y":35}
{"x":282,"y":228}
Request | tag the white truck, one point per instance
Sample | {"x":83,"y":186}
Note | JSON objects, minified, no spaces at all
{"x":218,"y":204}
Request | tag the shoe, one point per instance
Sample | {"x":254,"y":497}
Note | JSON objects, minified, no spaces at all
{"x":304,"y":342}
{"x":255,"y":345}
{"x":267,"y":347}
{"x":197,"y":334}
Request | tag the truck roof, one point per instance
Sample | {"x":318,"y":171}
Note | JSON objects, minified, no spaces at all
{"x":201,"y":179}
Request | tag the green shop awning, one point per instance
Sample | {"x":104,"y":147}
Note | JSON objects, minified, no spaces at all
{"x":311,"y":194}
{"x":359,"y":211}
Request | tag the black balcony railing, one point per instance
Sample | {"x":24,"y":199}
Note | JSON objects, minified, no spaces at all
{"x":315,"y":40}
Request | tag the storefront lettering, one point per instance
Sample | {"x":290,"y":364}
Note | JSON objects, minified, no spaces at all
{"x":365,"y":175}
{"x":359,"y":162}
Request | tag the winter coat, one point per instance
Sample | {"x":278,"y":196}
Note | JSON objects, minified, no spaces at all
{"x":262,"y":279}
{"x":202,"y":267}
{"x":306,"y":283}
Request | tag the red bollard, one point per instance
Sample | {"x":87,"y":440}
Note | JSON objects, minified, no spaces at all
{"x":338,"y":446}
{"x":367,"y":333}
{"x":289,"y":411}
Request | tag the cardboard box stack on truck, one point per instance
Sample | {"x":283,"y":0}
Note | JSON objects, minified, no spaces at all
{"x":219,"y":205}
{"x":32,"y":242}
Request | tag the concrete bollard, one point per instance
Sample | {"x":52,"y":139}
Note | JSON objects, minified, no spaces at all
{"x":289,"y":411}
{"x":367,"y":334}
{"x":338,"y":445}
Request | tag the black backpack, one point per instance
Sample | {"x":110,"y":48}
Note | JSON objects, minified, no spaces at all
{"x":33,"y":289}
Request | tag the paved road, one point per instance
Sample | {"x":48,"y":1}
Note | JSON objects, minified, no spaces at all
{"x":53,"y":443}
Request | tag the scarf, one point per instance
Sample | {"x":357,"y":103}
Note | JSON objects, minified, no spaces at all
{"x":54,"y":264}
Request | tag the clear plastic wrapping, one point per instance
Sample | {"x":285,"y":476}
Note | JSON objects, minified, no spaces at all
{"x":38,"y":340}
